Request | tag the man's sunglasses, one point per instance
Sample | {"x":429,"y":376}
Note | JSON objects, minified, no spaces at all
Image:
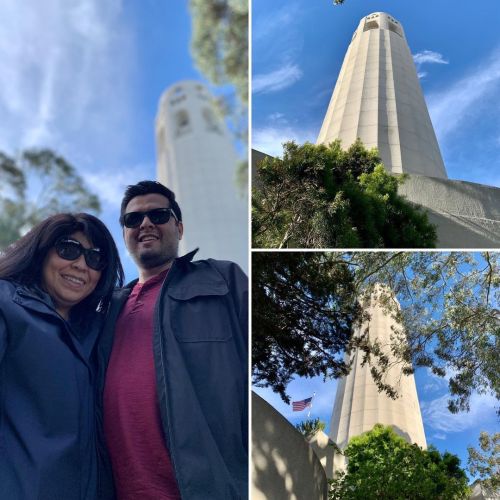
{"x":156,"y":216}
{"x":69,"y":249}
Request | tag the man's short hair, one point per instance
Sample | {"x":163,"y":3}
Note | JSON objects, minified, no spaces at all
{"x":148,"y":187}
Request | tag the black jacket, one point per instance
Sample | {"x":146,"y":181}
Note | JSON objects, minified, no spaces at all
{"x":47,"y":437}
{"x":201,"y":358}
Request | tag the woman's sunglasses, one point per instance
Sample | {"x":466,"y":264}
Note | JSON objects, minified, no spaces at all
{"x":69,"y":249}
{"x":156,"y":216}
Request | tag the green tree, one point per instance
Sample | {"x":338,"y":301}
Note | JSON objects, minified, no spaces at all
{"x":303,"y":309}
{"x":36,"y":184}
{"x":220,"y":42}
{"x":321,"y":196}
{"x":306,"y":305}
{"x":485,"y":461}
{"x":381,"y":464}
{"x":219,"y":46}
{"x":310,"y":427}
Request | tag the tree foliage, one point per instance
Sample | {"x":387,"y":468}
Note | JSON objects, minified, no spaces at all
{"x":320,"y":196}
{"x":303,"y":309}
{"x":310,"y":427}
{"x":34,"y":185}
{"x":485,"y":461}
{"x":448,"y":322}
{"x":382,"y":464}
{"x":220,"y":42}
{"x":219,"y":46}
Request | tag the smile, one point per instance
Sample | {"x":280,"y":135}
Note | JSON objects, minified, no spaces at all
{"x":73,"y":280}
{"x":148,"y":237}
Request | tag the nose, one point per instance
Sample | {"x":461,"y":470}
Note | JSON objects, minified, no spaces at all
{"x":79,"y":263}
{"x":146,"y":222}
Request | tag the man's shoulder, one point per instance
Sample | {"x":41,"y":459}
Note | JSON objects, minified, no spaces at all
{"x":227,"y":269}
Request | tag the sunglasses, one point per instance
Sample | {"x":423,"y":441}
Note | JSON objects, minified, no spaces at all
{"x":69,"y":249}
{"x":156,"y":216}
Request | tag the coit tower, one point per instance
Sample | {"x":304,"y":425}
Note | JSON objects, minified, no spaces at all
{"x":358,"y":403}
{"x":378,"y":98}
{"x":198,"y":161}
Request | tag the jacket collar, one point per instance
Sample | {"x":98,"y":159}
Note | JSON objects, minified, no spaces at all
{"x":36,"y":299}
{"x":185,"y":259}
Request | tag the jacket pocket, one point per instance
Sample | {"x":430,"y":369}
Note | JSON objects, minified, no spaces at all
{"x":199,"y":312}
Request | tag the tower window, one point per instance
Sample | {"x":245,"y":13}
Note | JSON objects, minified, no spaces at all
{"x":211,"y":120}
{"x":394,"y":28}
{"x":370,"y":25}
{"x":181,"y":122}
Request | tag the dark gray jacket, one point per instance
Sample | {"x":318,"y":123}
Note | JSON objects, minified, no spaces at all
{"x":201,"y":358}
{"x":47,"y":437}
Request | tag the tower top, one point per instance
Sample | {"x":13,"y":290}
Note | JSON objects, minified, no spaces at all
{"x":380,"y":20}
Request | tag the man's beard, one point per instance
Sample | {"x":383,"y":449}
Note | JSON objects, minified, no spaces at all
{"x":150,"y":260}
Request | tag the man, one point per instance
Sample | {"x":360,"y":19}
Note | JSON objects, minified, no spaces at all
{"x":175,"y":346}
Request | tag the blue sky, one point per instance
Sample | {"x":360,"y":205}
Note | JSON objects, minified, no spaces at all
{"x":298,"y":47}
{"x":84,"y":77}
{"x":446,"y":431}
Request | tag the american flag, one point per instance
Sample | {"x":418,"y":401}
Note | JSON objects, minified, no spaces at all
{"x":301,"y":405}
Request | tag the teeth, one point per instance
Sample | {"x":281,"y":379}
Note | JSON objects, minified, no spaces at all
{"x":73,"y":279}
{"x":148,"y":238}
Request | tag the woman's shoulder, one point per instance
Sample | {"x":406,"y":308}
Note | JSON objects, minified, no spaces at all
{"x":8,"y":285}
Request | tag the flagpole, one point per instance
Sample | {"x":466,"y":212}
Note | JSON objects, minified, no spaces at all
{"x":310,"y":405}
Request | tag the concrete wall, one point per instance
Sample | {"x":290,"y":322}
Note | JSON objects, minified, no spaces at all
{"x":467,"y":214}
{"x":324,"y":448}
{"x":284,"y":466}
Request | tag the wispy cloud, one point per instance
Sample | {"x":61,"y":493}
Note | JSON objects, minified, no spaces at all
{"x":463,"y":99}
{"x":269,"y":25}
{"x":269,"y":139}
{"x":279,"y":79}
{"x":428,"y":56}
{"x":437,"y":416}
{"x":110,"y":185}
{"x":62,"y":71}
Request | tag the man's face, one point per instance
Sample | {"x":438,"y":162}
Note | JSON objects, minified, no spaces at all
{"x":152,"y":245}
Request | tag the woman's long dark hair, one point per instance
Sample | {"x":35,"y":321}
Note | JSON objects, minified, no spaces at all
{"x":23,"y":260}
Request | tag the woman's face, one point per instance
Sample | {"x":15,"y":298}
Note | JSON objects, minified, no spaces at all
{"x":68,"y":282}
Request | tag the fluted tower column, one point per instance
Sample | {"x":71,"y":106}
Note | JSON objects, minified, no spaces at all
{"x":197,"y":160}
{"x":359,"y":405}
{"x":378,"y":98}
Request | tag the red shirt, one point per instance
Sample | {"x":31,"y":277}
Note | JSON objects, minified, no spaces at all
{"x":133,"y":431}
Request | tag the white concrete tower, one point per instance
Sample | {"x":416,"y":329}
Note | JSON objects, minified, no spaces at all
{"x":378,"y":98}
{"x":359,"y":405}
{"x":197,"y":160}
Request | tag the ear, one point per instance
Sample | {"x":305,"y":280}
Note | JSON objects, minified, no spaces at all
{"x":180,"y":229}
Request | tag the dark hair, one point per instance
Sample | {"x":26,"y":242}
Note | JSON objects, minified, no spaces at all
{"x":147,"y":187}
{"x":23,"y":260}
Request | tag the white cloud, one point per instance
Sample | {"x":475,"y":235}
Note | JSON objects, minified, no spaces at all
{"x":437,"y":416}
{"x":428,"y":56}
{"x":279,"y":79}
{"x":268,"y":26}
{"x":463,"y":99}
{"x":269,"y":140}
{"x":439,"y":436}
{"x":422,"y":74}
{"x":64,"y":73}
{"x":110,"y":185}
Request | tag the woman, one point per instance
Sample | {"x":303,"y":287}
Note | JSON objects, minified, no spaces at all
{"x":55,"y":285}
